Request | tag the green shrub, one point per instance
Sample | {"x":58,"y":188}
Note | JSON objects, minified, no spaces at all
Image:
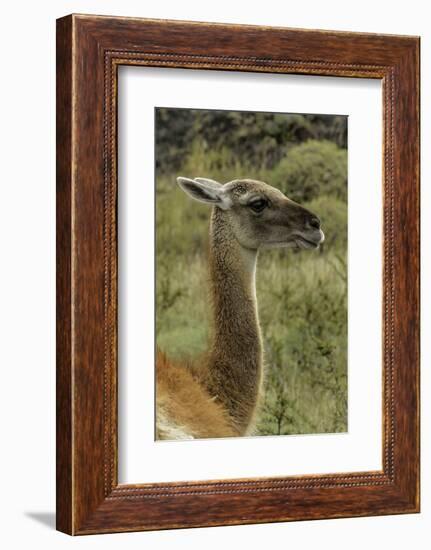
{"x":333,"y":215}
{"x":303,"y":311}
{"x":257,"y":139}
{"x":312,"y":169}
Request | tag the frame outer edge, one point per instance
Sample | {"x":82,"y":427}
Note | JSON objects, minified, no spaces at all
{"x":64,"y":300}
{"x":81,"y":508}
{"x":407,"y":269}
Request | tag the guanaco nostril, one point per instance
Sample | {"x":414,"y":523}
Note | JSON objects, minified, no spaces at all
{"x":314,"y":222}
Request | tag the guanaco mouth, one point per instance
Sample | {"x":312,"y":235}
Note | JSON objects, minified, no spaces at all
{"x":302,"y":242}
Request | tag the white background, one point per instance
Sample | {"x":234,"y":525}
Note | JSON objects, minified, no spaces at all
{"x":141,"y":458}
{"x":27,"y":311}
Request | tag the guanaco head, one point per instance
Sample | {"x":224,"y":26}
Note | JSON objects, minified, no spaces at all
{"x":260,"y":215}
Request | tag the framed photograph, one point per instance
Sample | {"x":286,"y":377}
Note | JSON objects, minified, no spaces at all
{"x":237,"y":274}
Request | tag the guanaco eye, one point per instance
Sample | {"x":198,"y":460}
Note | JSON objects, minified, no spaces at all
{"x":258,"y":205}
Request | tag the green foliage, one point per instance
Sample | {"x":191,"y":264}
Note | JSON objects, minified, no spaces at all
{"x":174,"y":129}
{"x":304,"y":322}
{"x":302,"y":295}
{"x":254,"y":140}
{"x":333,"y":213}
{"x":312,"y":169}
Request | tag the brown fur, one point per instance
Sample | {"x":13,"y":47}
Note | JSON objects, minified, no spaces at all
{"x":183,"y":399}
{"x":218,"y":396}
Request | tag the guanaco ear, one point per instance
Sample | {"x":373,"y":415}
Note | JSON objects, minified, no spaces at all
{"x":207,"y":180}
{"x":207,"y":191}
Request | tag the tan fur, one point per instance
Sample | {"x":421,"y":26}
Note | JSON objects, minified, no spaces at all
{"x":184,"y":408}
{"x":218,"y":395}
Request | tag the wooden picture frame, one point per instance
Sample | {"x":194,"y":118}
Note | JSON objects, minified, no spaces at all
{"x":89,"y":52}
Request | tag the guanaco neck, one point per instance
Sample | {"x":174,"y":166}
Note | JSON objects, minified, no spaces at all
{"x":235,"y":361}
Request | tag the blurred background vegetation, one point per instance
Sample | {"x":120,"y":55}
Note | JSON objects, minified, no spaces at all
{"x":302,"y":295}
